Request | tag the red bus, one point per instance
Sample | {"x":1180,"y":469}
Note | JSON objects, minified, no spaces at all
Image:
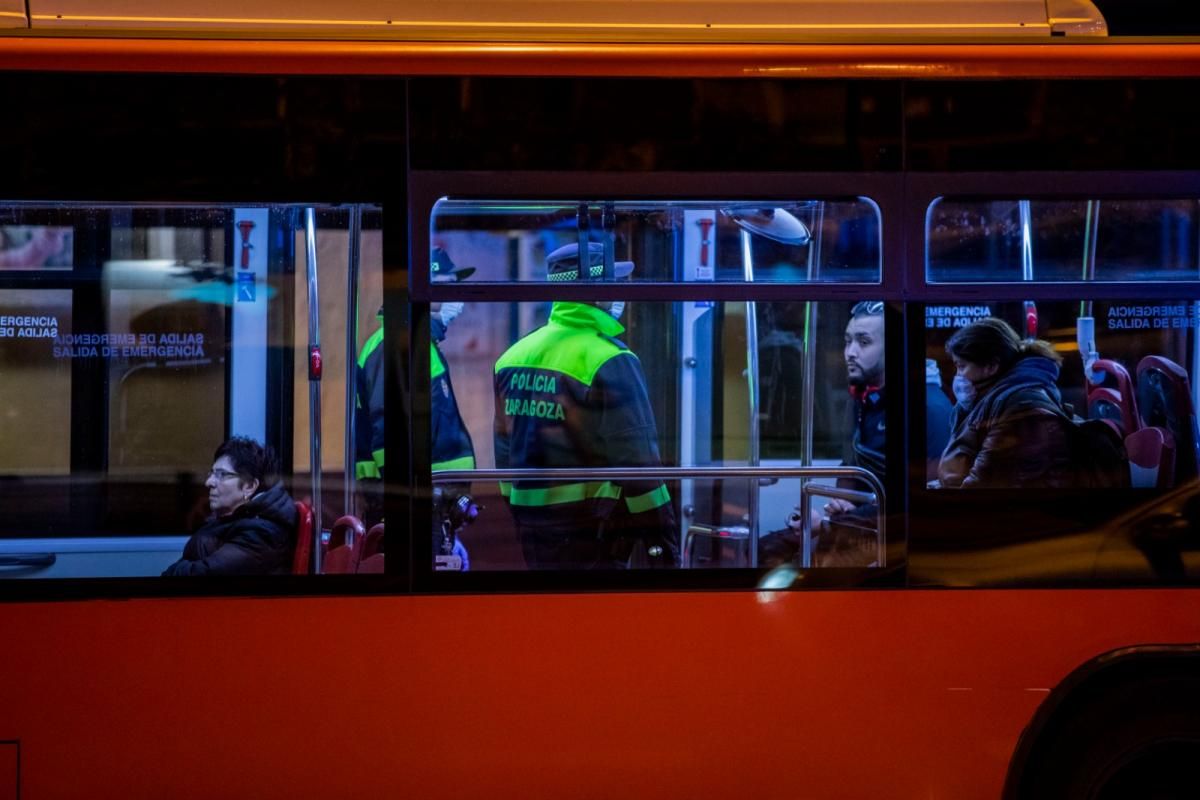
{"x":206,"y":217}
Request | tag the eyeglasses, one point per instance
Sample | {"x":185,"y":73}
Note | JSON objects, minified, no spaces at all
{"x":221,"y":474}
{"x":867,"y":308}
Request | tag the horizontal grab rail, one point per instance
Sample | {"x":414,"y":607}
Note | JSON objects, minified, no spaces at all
{"x":874,"y":497}
{"x":662,"y":473}
{"x":819,"y":490}
{"x":839,"y":493}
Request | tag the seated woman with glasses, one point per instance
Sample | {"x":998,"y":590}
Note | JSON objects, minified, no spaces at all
{"x":252,"y":530}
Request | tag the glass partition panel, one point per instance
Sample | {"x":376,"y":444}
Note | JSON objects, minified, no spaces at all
{"x":1015,"y":240}
{"x":709,"y":408}
{"x":812,"y":240}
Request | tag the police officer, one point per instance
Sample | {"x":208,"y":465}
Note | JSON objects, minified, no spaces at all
{"x":570,"y":394}
{"x":452,"y":447}
{"x":451,"y":443}
{"x":368,"y":426}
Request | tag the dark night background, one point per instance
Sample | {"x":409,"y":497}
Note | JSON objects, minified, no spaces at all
{"x":1151,"y":17}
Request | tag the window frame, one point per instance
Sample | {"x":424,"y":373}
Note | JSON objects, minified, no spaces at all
{"x":86,"y":498}
{"x":427,"y":187}
{"x":929,"y":510}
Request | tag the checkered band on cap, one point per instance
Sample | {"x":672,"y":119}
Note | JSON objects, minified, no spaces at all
{"x":573,"y":274}
{"x":562,"y":265}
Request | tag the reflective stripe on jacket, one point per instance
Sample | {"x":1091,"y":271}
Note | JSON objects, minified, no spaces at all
{"x":369,"y":415}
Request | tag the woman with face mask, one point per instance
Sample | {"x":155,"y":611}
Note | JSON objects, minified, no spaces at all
{"x":1009,"y":424}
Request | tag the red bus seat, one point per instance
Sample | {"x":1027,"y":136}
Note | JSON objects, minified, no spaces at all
{"x":1151,"y":458}
{"x":302,"y":559}
{"x":371,"y":554}
{"x":1165,"y":401}
{"x":1108,"y":405}
{"x":1116,"y":398}
{"x":345,"y":544}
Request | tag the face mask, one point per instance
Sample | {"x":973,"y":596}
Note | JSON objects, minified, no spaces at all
{"x":450,"y":312}
{"x":617,"y":309}
{"x":964,"y":390}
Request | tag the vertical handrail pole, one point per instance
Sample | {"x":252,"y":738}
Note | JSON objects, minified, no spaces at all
{"x":752,"y":384}
{"x":353,"y":257}
{"x":808,"y":394}
{"x":1091,"y":235}
{"x":808,"y":398}
{"x":314,"y":382}
{"x":608,"y":223}
{"x":583,"y":232}
{"x":1026,"y":213}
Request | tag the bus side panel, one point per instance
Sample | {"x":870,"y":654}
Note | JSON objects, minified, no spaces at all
{"x":664,"y":695}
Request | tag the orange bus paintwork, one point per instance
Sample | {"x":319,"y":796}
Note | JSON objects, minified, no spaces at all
{"x":1088,"y":59}
{"x":898,"y":694}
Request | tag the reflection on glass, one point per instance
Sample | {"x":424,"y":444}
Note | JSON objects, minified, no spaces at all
{"x":1062,"y":240}
{"x":166,"y":299}
{"x":827,"y":240}
{"x":35,"y":247}
{"x":35,"y":393}
{"x":664,"y":385}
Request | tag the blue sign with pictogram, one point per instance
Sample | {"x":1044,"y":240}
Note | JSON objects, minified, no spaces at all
{"x":245,"y":287}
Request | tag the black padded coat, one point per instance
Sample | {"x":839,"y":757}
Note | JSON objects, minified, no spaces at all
{"x":258,"y":538}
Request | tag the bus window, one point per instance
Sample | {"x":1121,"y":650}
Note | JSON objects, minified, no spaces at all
{"x":818,"y":240}
{"x":1072,"y":441}
{"x":1023,"y":371}
{"x":145,"y":336}
{"x":702,"y":434}
{"x":1009,"y":241}
{"x":664,"y":388}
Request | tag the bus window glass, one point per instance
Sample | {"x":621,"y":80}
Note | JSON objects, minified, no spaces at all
{"x":1011,"y":241}
{"x":725,"y":240}
{"x":40,"y":247}
{"x":718,"y":387}
{"x":35,"y":394}
{"x":1024,"y":375}
{"x":1072,"y":443}
{"x":166,"y":318}
{"x":139,"y":340}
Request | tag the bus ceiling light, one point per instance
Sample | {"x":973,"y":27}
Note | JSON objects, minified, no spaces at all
{"x":773,"y":223}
